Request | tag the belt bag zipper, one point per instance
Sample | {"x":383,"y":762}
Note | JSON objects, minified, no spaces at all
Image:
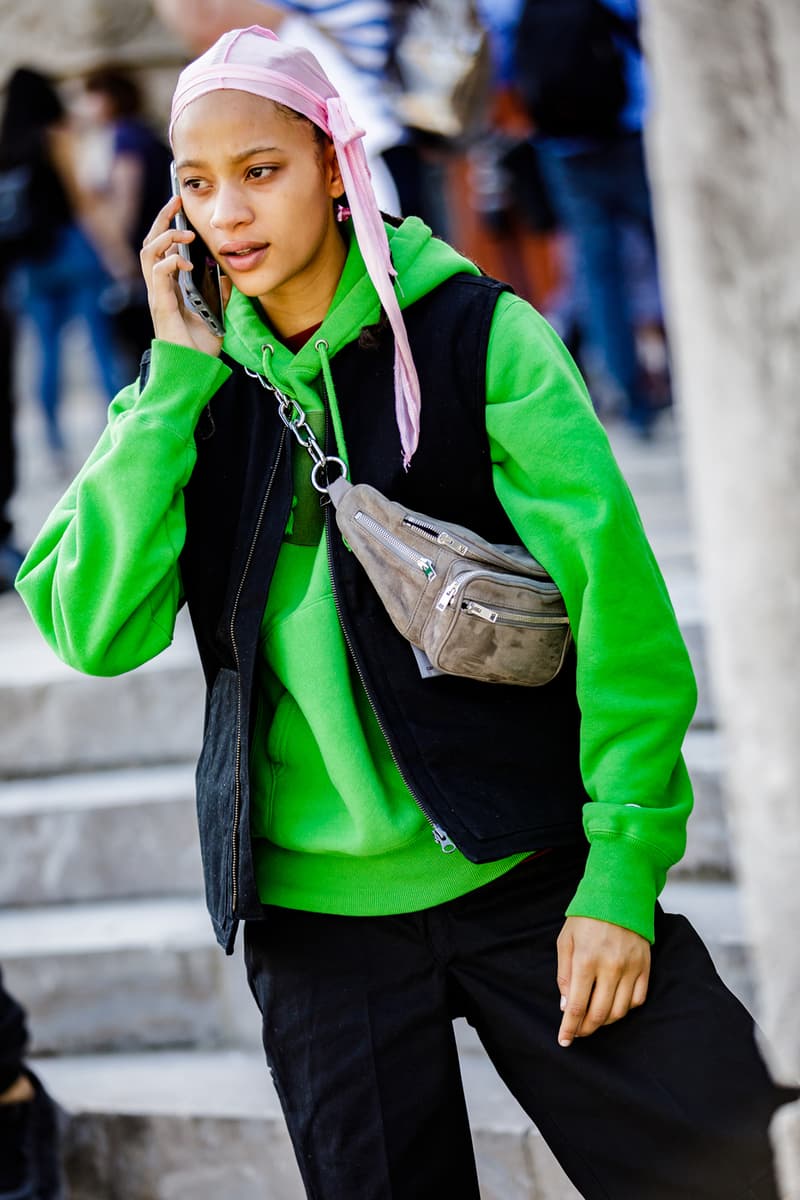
{"x":511,"y":616}
{"x":399,"y":548}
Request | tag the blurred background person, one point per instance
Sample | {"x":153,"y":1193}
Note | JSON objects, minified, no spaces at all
{"x":506,"y":187}
{"x":56,"y":272}
{"x":351,"y":39}
{"x":581,"y":73}
{"x":135,"y":188}
{"x":29,"y":1142}
{"x":441,"y":73}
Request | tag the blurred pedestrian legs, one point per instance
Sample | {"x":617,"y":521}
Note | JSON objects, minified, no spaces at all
{"x":10,"y":556}
{"x":597,"y":192}
{"x":53,"y":291}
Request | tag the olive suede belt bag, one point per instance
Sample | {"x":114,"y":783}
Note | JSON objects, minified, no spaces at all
{"x":467,"y":606}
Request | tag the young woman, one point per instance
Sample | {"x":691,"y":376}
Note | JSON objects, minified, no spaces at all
{"x":328,"y":762}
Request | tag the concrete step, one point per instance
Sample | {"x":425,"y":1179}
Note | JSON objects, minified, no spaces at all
{"x":101,"y":835}
{"x":147,"y":974}
{"x":122,"y":975}
{"x":167,"y":1126}
{"x":52,"y":719}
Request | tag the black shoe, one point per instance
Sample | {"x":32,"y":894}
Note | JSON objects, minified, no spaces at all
{"x":30,"y":1166}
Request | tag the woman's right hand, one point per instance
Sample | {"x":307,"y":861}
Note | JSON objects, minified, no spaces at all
{"x":161,"y":261}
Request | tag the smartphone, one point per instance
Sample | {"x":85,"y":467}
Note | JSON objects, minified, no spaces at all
{"x":201,"y":288}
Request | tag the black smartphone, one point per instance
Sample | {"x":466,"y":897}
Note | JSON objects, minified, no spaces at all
{"x":201,"y":288}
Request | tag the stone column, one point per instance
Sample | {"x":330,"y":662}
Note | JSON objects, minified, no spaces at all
{"x":725,"y":158}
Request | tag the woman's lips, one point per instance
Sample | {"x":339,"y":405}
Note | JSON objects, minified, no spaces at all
{"x":245,"y":259}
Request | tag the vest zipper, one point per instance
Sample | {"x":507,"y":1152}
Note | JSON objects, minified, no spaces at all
{"x":398,"y":547}
{"x":441,"y":836}
{"x":237,"y":792}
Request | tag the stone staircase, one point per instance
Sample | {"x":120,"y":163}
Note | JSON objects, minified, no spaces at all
{"x":141,"y":1027}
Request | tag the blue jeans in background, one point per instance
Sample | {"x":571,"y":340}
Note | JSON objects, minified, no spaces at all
{"x":596,"y":192}
{"x":54,"y":290}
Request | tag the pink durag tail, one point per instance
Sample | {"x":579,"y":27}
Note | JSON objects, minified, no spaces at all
{"x":374,"y":245}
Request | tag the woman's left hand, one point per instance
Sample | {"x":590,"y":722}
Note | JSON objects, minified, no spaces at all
{"x":603,"y":972}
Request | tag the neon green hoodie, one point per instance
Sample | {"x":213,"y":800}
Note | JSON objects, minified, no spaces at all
{"x":335,"y":827}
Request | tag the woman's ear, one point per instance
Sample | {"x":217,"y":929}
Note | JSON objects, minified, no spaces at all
{"x":333,"y":175}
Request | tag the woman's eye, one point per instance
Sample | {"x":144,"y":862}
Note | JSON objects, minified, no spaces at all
{"x":261,"y":172}
{"x":192,"y":185}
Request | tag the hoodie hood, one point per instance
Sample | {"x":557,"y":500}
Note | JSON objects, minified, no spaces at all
{"x":422,"y":263}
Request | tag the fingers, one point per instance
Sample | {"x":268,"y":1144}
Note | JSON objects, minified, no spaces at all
{"x":163,"y":239}
{"x":163,"y":218}
{"x":163,"y":257}
{"x":603,"y":972}
{"x":565,"y":947}
{"x":640,"y":987}
{"x":575,"y":1004}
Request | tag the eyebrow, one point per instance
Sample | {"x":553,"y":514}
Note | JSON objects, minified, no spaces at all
{"x":236,"y":158}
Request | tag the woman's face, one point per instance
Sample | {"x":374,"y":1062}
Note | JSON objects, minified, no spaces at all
{"x":258,"y":189}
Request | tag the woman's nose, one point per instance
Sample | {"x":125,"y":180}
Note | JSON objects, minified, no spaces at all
{"x":230,"y":208}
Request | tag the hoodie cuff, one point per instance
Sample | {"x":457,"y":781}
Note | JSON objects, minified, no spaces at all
{"x":180,"y":383}
{"x":621,"y":883}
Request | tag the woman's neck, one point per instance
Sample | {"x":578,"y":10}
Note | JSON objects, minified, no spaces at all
{"x":305,"y":302}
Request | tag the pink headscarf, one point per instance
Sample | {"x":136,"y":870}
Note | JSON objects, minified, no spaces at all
{"x":254,"y":60}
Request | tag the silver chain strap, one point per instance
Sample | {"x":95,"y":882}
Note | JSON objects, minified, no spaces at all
{"x":296,"y":421}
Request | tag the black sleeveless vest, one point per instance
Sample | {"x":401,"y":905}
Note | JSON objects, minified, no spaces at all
{"x":495,"y":766}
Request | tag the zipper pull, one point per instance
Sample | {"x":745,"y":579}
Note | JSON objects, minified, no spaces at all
{"x":447,"y":596}
{"x":427,"y":568}
{"x":480,"y":610}
{"x":442,"y":839}
{"x":446,"y":539}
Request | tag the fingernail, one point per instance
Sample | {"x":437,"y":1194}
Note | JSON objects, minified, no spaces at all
{"x":564,"y":1041}
{"x":563,"y":1003}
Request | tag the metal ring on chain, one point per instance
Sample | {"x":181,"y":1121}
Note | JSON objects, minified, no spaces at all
{"x":323,"y":466}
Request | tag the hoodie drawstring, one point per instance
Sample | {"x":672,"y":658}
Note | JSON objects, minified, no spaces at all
{"x":321,"y":347}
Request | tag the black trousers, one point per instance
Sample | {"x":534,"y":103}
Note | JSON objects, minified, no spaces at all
{"x":673,"y":1101}
{"x":13,"y":1038}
